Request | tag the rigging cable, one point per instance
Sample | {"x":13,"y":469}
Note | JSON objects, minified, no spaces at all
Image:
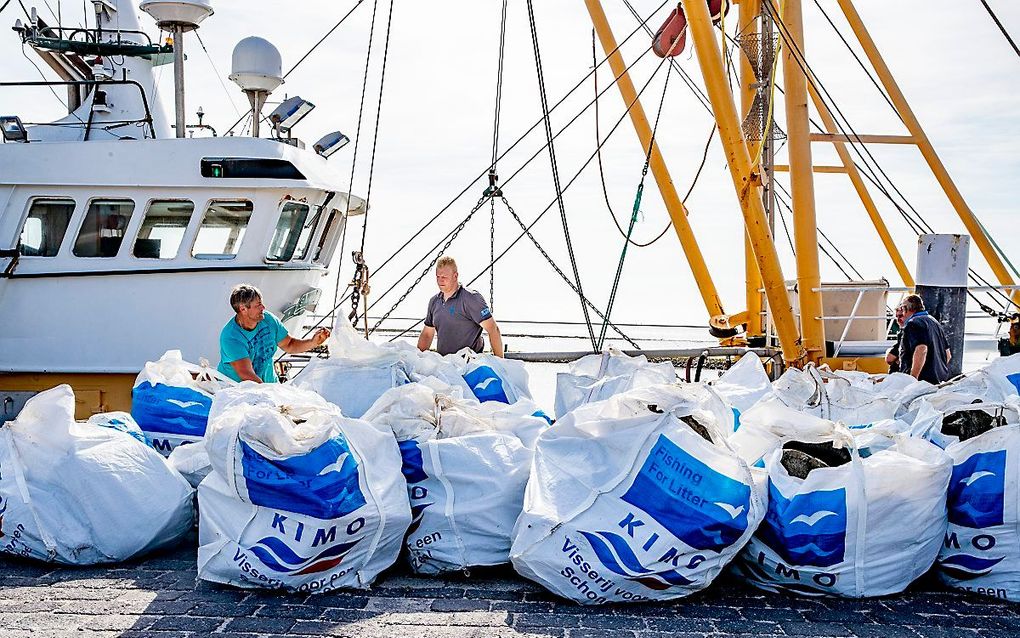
{"x":555,"y":171}
{"x":230,"y":96}
{"x":526,"y":228}
{"x":466,"y":188}
{"x":1005,"y":33}
{"x":635,"y":210}
{"x":354,"y":158}
{"x":493,"y":175}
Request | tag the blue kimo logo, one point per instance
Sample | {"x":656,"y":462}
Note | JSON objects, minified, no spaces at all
{"x":977,"y":491}
{"x":808,"y":529}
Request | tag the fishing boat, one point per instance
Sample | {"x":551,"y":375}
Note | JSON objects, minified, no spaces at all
{"x":112,"y":210}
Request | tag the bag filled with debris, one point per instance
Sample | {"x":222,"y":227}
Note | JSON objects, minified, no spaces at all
{"x":597,"y":377}
{"x":81,"y":493}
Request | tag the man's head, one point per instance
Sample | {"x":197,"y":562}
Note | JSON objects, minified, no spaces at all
{"x":246,"y":300}
{"x":910,"y":306}
{"x":900,"y":315}
{"x":446,"y":275}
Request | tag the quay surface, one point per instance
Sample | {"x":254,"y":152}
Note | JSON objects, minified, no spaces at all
{"x":159,"y":597}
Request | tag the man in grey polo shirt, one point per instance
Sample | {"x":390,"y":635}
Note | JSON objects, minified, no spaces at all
{"x":458,"y":316}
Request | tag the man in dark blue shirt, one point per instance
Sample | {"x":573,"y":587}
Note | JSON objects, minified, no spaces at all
{"x":924,"y":353}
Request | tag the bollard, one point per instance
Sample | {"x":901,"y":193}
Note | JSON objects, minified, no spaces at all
{"x":942,"y":262}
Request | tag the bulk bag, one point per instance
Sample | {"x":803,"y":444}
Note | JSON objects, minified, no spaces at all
{"x":81,"y":493}
{"x":631,"y":502}
{"x":597,"y":377}
{"x":981,"y":551}
{"x":352,"y":386}
{"x":838,"y":396}
{"x":743,"y":385}
{"x":839,"y":523}
{"x":493,"y":378}
{"x":171,"y":399}
{"x":300,"y":497}
{"x":466,"y":465}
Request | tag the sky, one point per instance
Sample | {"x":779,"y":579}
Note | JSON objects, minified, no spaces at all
{"x":434,"y":131}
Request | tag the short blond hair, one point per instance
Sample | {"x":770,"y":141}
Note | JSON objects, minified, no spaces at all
{"x":447,"y":262}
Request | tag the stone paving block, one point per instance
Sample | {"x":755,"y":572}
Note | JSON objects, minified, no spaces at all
{"x":521,"y":607}
{"x":453,"y":604}
{"x":260,"y":625}
{"x":882,"y":631}
{"x":748,"y":627}
{"x":479,"y":619}
{"x":529,"y":621}
{"x":269,"y":610}
{"x":674,"y":621}
{"x":815,"y":629}
{"x":187,"y":623}
{"x":346,"y":615}
{"x":402,"y":605}
{"x":599,"y":633}
{"x":620,"y":622}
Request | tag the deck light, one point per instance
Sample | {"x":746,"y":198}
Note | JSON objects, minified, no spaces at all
{"x":289,"y":113}
{"x":14,"y":130}
{"x":331,"y":143}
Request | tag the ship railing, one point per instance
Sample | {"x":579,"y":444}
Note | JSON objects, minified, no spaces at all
{"x":107,"y":125}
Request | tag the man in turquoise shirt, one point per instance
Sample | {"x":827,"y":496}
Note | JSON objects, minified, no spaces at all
{"x":249,"y":340}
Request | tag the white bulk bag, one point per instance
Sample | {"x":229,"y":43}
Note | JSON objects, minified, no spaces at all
{"x":743,"y":385}
{"x":981,"y":552}
{"x":300,"y":497}
{"x":998,"y":381}
{"x":81,"y":493}
{"x":466,"y":466}
{"x":840,"y":396}
{"x":352,"y":386}
{"x":930,"y":416}
{"x":171,"y":398}
{"x":597,"y":377}
{"x":868,"y":527}
{"x":493,"y":378}
{"x":627,"y":505}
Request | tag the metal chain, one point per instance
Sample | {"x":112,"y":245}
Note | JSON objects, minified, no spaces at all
{"x":492,"y":255}
{"x":563,"y":275}
{"x":453,"y":236}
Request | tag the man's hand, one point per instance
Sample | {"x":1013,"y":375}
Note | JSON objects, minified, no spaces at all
{"x":320,"y":336}
{"x":244,"y":370}
{"x":428,"y":333}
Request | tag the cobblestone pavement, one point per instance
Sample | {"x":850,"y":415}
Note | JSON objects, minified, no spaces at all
{"x":160,"y":597}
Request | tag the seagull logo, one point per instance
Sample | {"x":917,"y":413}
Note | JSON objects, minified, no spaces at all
{"x":336,"y":466}
{"x":184,"y":405}
{"x":810,"y":520}
{"x":975,"y":476}
{"x":729,"y":509}
{"x":485,"y":384}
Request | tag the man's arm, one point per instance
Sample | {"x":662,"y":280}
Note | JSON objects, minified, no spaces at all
{"x":290,"y":345}
{"x":920,"y":355}
{"x":495,"y":338}
{"x":244,"y":370}
{"x":428,"y":333}
{"x":891,"y":357}
{"x":949,"y":355}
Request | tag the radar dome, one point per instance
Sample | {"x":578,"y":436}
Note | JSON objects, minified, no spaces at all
{"x":184,"y":13}
{"x":256,"y":65}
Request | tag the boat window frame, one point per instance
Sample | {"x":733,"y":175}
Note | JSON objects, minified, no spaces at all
{"x":184,"y":235}
{"x":28,"y":212}
{"x":324,"y":240}
{"x":85,"y":215}
{"x":312,"y":212}
{"x":200,"y":221}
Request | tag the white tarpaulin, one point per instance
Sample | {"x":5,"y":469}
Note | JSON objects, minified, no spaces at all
{"x":85,"y":492}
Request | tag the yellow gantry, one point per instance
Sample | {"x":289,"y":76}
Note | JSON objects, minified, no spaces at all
{"x":749,"y":10}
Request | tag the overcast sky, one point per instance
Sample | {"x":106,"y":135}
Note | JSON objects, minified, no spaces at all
{"x":435,"y":136}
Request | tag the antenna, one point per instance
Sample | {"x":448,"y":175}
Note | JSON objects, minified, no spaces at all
{"x":257,"y":68}
{"x":178,"y":16}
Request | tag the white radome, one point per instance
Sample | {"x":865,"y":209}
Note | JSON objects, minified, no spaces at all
{"x":256,"y":65}
{"x":186,"y":13}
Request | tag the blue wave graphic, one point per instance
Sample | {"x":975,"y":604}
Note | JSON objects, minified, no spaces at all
{"x":170,"y":409}
{"x":486,"y":385}
{"x":808,"y":529}
{"x":615,"y":553}
{"x":631,"y":563}
{"x":278,"y":556}
{"x":1015,"y":380}
{"x":312,"y":484}
{"x":413,"y":466}
{"x":705,"y":509}
{"x":971,"y":563}
{"x":977,"y":490}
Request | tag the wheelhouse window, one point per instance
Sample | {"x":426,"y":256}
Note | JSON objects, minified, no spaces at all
{"x":102,"y":231}
{"x":45,"y":227}
{"x":329,"y":236}
{"x":293,"y":232}
{"x":162,"y":229}
{"x":222,"y":229}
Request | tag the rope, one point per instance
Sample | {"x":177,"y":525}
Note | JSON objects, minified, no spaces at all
{"x":219,"y":76}
{"x":527,"y":229}
{"x":323,"y":38}
{"x":555,"y":172}
{"x":634,"y":212}
{"x":357,"y":146}
{"x":1005,"y":33}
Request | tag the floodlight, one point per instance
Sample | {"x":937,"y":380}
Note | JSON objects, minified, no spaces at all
{"x":290,"y":112}
{"x":13,"y":129}
{"x":331,"y":143}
